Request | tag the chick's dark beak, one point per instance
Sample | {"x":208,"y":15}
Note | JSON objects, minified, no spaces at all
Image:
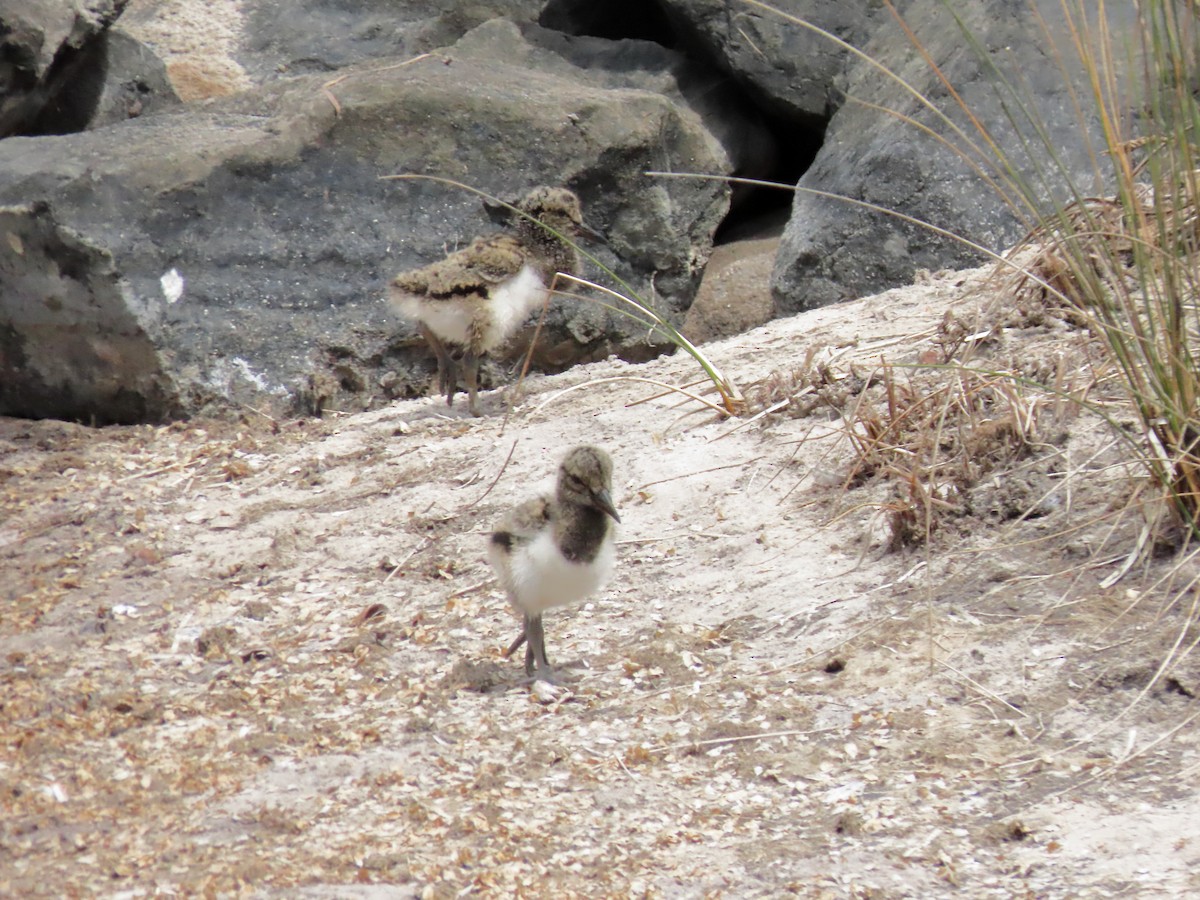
{"x":603,"y":501}
{"x":587,"y":231}
{"x":498,"y":212}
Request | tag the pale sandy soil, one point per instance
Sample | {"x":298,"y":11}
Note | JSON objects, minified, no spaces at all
{"x":245,"y":661}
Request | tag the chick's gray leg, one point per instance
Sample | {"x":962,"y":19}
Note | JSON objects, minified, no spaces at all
{"x":530,"y":664}
{"x":517,"y":642}
{"x":470,"y":367}
{"x":535,"y":655}
{"x":447,"y":371}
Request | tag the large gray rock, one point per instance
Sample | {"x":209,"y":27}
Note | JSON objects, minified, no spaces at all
{"x":135,"y":81}
{"x":735,"y":133}
{"x":327,"y":35}
{"x":790,"y":70}
{"x":238,"y":252}
{"x":75,"y":342}
{"x":217,"y":47}
{"x":734,"y":295}
{"x":834,"y":251}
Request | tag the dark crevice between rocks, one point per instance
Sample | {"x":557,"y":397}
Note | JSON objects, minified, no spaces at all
{"x":615,"y":20}
{"x":755,"y":211}
{"x":763,"y":211}
{"x":67,"y":98}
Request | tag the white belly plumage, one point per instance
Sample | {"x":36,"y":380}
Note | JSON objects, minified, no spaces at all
{"x":449,"y":321}
{"x":538,"y":577}
{"x":511,"y":303}
{"x":505,"y":309}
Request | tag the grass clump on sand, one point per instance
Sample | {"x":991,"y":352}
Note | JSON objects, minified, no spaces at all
{"x":1122,"y":266}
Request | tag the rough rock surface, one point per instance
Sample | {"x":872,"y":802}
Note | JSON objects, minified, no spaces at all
{"x":245,"y":238}
{"x":792,"y":70}
{"x":834,"y":251}
{"x":135,"y":84}
{"x":734,"y":295}
{"x":217,"y":47}
{"x":103,"y":367}
{"x":249,"y":241}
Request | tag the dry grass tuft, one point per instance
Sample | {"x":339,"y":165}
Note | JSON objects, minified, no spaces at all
{"x":956,"y":409}
{"x":1096,"y":250}
{"x":1126,"y":269}
{"x":812,"y":386}
{"x":935,"y":434}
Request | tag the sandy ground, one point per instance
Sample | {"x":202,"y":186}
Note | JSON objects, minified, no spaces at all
{"x":265,"y":660}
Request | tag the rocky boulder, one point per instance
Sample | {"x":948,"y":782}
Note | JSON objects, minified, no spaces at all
{"x":135,"y":81}
{"x":734,"y":294}
{"x":213,"y":48}
{"x":791,"y":71}
{"x":236,"y":249}
{"x":834,"y":251}
{"x":237,"y":252}
{"x":807,"y":86}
